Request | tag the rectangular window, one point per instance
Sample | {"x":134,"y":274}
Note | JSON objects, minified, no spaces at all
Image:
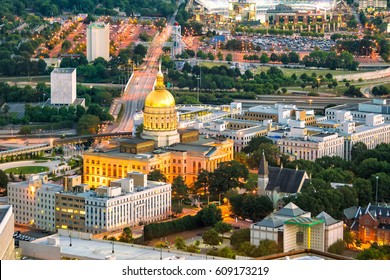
{"x":299,"y":237}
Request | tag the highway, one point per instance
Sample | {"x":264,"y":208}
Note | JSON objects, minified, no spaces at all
{"x":142,"y":81}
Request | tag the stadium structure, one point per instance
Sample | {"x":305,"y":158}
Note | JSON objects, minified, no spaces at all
{"x":227,"y":8}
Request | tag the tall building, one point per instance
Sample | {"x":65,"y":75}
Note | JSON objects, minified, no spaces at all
{"x":98,"y":41}
{"x":33,"y":201}
{"x":63,"y":86}
{"x":160,"y":115}
{"x":372,"y":133}
{"x":6,"y":233}
{"x":126,"y":202}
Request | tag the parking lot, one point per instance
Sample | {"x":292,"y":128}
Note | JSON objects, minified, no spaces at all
{"x":293,"y":43}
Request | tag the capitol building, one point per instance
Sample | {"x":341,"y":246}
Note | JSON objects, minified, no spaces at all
{"x":164,"y":146}
{"x":160,"y":116}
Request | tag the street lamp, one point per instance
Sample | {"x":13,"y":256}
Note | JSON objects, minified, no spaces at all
{"x":376,"y":192}
{"x":219,"y":198}
{"x":161,"y":245}
{"x":70,"y":236}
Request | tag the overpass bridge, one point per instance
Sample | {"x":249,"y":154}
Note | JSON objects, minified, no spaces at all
{"x":91,"y":137}
{"x":26,"y":150}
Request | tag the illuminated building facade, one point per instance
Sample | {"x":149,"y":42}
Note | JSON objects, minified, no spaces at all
{"x":98,"y":41}
{"x":369,"y":224}
{"x":126,"y":202}
{"x":34,"y":201}
{"x":187,"y":160}
{"x":174,"y":152}
{"x":160,"y":116}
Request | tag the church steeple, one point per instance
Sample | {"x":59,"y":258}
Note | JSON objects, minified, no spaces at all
{"x":263,"y":168}
{"x":262,"y":180}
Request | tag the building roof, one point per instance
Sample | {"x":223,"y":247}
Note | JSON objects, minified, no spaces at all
{"x":290,"y":210}
{"x":350,"y":212}
{"x":287,"y":180}
{"x":270,"y":222}
{"x":190,"y":147}
{"x":375,"y":211}
{"x":303,"y":255}
{"x":327,"y":218}
{"x":3,"y":211}
{"x":64,"y":70}
{"x":97,"y":249}
{"x":303,"y":221}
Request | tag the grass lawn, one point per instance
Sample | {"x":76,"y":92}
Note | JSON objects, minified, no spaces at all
{"x":212,"y":64}
{"x":27,"y":169}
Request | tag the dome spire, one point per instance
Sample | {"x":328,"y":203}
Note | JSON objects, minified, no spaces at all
{"x":160,"y":78}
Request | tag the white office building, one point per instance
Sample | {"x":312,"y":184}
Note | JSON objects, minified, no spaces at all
{"x":299,"y":144}
{"x":240,"y":131}
{"x":127,"y":202}
{"x":33,"y":201}
{"x":372,"y":133}
{"x":45,"y":206}
{"x":360,"y":111}
{"x":63,"y":83}
{"x":98,"y":41}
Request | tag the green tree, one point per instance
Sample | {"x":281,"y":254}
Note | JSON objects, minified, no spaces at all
{"x":229,"y":57}
{"x":256,"y":207}
{"x":66,"y":45}
{"x":239,"y":236}
{"x":24,"y":130}
{"x":3,"y":179}
{"x":180,"y":243}
{"x":228,"y":175}
{"x":139,"y":130}
{"x":375,"y":253}
{"x":126,"y":235}
{"x":211,"y":237}
{"x":179,"y":187}
{"x":358,"y":149}
{"x":337,"y":248}
{"x":255,"y":142}
{"x":88,"y":124}
{"x":222,"y":227}
{"x":267,"y":247}
{"x":348,"y":238}
{"x":364,"y":191}
{"x":157,"y":175}
{"x":264,"y":58}
{"x":203,"y":181}
{"x":211,"y":215}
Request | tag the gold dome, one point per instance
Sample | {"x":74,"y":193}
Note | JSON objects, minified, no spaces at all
{"x":159,"y":97}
